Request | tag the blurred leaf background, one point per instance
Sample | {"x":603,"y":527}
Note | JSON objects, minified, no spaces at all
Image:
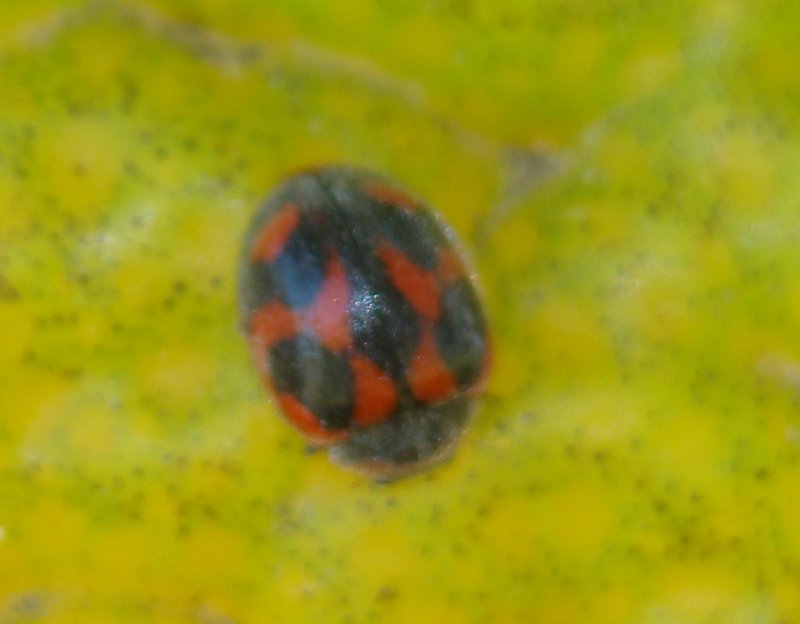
{"x":623,"y":173}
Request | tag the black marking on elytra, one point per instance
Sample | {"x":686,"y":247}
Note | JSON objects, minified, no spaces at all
{"x":299,"y":269}
{"x":384,"y":326}
{"x":460,"y":332}
{"x":256,"y":288}
{"x":318,"y":378}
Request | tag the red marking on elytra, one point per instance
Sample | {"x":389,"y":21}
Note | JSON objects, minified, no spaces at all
{"x":428,"y":377}
{"x":273,"y":236}
{"x":390,"y":195}
{"x":375,"y":392}
{"x":449,"y":267}
{"x":272,"y":323}
{"x":328,"y":317}
{"x":304,"y":419}
{"x":415,"y":283}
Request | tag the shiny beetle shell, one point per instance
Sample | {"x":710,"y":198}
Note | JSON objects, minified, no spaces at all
{"x":363,"y":319}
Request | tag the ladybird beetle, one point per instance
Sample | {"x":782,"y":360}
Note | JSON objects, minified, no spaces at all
{"x":363,"y":319}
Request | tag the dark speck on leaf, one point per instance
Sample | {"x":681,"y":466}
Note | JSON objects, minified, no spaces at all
{"x":387,"y":593}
